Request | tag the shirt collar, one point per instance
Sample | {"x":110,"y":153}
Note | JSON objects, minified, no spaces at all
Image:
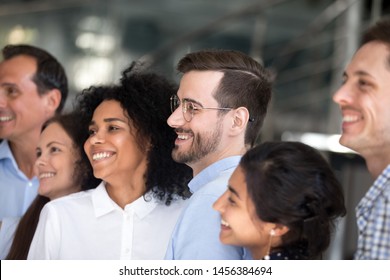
{"x":6,"y":153}
{"x":213,"y":171}
{"x":143,"y":205}
{"x":5,"y":150}
{"x":103,"y":204}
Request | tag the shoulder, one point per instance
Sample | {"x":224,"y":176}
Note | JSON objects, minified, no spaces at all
{"x":213,"y":188}
{"x":74,"y":200}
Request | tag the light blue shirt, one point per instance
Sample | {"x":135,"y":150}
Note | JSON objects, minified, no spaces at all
{"x":196,"y":235}
{"x":7,"y":232}
{"x":16,"y":190}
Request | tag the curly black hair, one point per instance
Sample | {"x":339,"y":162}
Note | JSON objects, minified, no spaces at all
{"x":144,"y":97}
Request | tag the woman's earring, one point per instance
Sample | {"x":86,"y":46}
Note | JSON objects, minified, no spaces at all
{"x":271,"y":233}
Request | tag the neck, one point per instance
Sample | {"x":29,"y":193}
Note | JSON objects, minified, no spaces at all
{"x":24,"y":153}
{"x":376,"y":162}
{"x":124,"y":195}
{"x":208,"y":160}
{"x":128,"y":187}
{"x":258,"y":252}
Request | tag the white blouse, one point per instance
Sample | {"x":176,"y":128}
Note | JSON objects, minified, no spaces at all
{"x":89,"y":225}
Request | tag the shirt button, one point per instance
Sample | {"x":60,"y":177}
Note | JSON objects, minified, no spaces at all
{"x":30,"y":184}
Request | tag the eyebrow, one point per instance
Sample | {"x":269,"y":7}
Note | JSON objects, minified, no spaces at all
{"x":232,"y":190}
{"x":50,"y":144}
{"x":8,"y":84}
{"x":193,"y":101}
{"x":55,"y":143}
{"x":108,"y":120}
{"x":358,"y":73}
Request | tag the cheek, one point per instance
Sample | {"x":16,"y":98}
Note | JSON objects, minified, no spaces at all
{"x":87,"y":147}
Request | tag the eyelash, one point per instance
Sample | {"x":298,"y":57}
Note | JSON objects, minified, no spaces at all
{"x":110,"y":128}
{"x":231,"y":201}
{"x":11,"y":91}
{"x":54,"y":150}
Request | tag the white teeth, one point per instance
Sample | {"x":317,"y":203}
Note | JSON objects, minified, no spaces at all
{"x":224,"y":223}
{"x":46,"y":175}
{"x":99,"y":156}
{"x":5,"y":119}
{"x":350,"y":118}
{"x":182,"y":137}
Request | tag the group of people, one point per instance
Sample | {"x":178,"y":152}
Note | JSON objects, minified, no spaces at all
{"x":145,"y":169}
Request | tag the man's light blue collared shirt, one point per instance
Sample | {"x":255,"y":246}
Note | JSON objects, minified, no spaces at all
{"x":196,"y":235}
{"x":16,"y":190}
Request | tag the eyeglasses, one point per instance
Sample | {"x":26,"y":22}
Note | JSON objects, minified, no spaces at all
{"x":189,"y":108}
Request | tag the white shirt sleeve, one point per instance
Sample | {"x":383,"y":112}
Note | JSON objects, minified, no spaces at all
{"x":47,"y":238}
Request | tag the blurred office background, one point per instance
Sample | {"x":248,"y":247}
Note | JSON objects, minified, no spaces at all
{"x":307,"y":43}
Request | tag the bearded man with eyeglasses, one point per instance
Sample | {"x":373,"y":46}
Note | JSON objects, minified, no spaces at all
{"x":217,"y":114}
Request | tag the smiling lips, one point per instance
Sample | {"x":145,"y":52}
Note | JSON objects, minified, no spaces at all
{"x":6,"y":118}
{"x":351,"y":118}
{"x":224,"y":223}
{"x":46,"y":175}
{"x":102,"y":155}
{"x":182,"y":136}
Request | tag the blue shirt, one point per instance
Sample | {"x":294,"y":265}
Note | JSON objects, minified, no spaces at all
{"x":373,"y":220}
{"x":196,"y":235}
{"x":7,"y":232}
{"x":16,"y":190}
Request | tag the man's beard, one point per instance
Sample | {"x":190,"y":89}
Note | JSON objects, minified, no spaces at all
{"x":202,"y":145}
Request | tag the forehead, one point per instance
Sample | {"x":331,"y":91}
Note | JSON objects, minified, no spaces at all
{"x":372,"y":58}
{"x":237,"y":181}
{"x":55,"y":132}
{"x":199,"y":85}
{"x":109,"y":107}
{"x":18,"y":66}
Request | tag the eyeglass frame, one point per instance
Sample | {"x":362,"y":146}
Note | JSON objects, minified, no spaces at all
{"x":176,"y":103}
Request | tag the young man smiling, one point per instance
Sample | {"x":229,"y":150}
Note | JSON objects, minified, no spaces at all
{"x":217,"y":114}
{"x":364,"y":100}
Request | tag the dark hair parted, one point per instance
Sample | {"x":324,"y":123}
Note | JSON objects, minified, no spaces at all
{"x":82,"y":176}
{"x":50,"y":73}
{"x":144,"y":98}
{"x":245,"y":83}
{"x":290,"y":183}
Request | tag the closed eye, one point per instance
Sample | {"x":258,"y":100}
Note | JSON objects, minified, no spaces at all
{"x":231,"y":201}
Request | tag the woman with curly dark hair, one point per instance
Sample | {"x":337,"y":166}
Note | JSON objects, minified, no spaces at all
{"x":131,"y":214}
{"x":282,"y":202}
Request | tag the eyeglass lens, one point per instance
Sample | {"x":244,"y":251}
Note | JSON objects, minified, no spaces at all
{"x":187,"y":109}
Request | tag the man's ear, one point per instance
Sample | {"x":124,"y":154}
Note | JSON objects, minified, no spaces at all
{"x":53,"y":100}
{"x":240,"y":119}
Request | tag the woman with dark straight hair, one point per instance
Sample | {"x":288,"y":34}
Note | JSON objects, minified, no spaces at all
{"x":282,"y":202}
{"x":62,"y":168}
